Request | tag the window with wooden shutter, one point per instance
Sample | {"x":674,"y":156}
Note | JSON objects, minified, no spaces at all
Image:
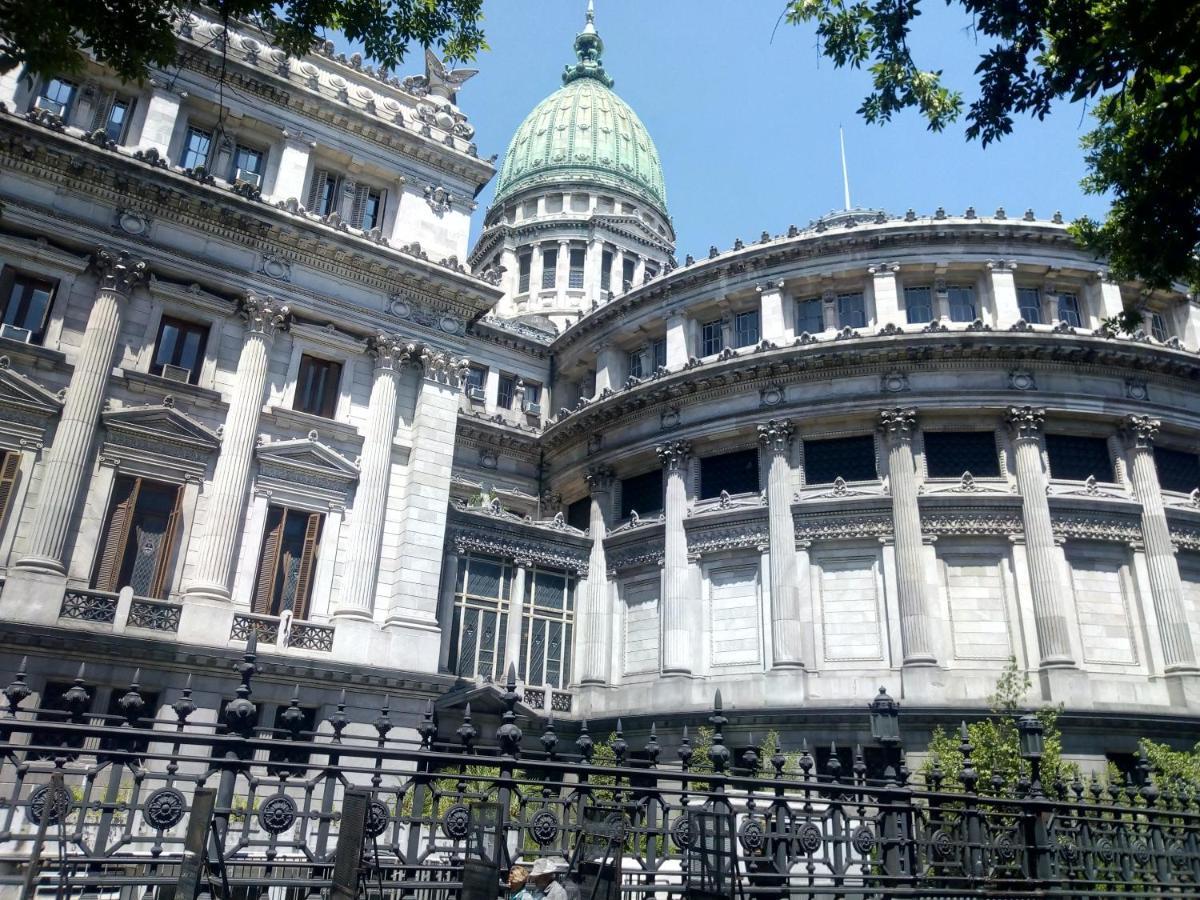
{"x":138,"y":546}
{"x":10,"y":467}
{"x":287,"y":562}
{"x":319,"y":177}
{"x":268,"y":560}
{"x":307,"y":565}
{"x":116,"y":534}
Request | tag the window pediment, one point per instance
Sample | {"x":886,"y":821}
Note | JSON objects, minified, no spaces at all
{"x":158,"y":433}
{"x":308,"y":463}
{"x":20,"y":393}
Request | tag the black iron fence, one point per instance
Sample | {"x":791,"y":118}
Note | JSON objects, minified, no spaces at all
{"x":142,"y":809}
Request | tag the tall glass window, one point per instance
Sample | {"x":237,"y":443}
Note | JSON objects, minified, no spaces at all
{"x":627,"y":269}
{"x":247,"y":165}
{"x":524,"y":261}
{"x":745,"y":328}
{"x":1068,"y":310}
{"x":26,"y":302}
{"x":606,"y":264}
{"x":482,"y":590}
{"x":918,"y":305}
{"x":1158,"y":327}
{"x":116,"y":119}
{"x":712,"y":338}
{"x":1029,"y":302}
{"x":546,"y":627}
{"x":180,"y":344}
{"x":549,"y":268}
{"x":56,"y":97}
{"x":809,"y":319}
{"x":635,"y":367}
{"x":575,"y":276}
{"x":962,"y":303}
{"x":658,"y":350}
{"x":852,"y":311}
{"x":196,"y":147}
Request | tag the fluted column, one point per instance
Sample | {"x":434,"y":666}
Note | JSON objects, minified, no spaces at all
{"x":595,"y":613}
{"x":1165,"y":585}
{"x":67,"y":459}
{"x":357,"y":598}
{"x":916,"y":627}
{"x":787,"y":625}
{"x":264,"y":316}
{"x":1026,"y":424}
{"x":677,"y":604}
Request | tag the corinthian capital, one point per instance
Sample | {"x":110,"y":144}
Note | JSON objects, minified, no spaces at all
{"x":1141,"y":431}
{"x":776,"y":435}
{"x":1026,"y":422}
{"x":119,"y":272}
{"x":392,"y":351}
{"x":265,"y":315}
{"x":599,"y":478}
{"x":898,"y":424}
{"x":443,"y":368}
{"x":674,"y":454}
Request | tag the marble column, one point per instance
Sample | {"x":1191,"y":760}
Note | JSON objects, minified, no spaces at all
{"x":678,"y":603}
{"x":66,"y":463}
{"x":1166,"y":587}
{"x":357,"y":598}
{"x":226,"y":500}
{"x":887,"y":297}
{"x":1043,"y":554}
{"x":595,"y":612}
{"x":516,"y":612}
{"x":1004,"y":293}
{"x":787,"y":620}
{"x":916,"y":626}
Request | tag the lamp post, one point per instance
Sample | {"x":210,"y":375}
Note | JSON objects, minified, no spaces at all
{"x":885,"y":729}
{"x":1033,"y":745}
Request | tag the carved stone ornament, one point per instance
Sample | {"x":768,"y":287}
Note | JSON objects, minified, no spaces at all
{"x":440,"y":200}
{"x":132,"y":222}
{"x":488,"y":459}
{"x":392,"y":351}
{"x":898,"y":424}
{"x":669,"y":418}
{"x":776,"y":435}
{"x":674,"y":454}
{"x":771,"y":395}
{"x":893,"y":383}
{"x":1022,"y":380}
{"x":1026,"y":422}
{"x":119,"y":272}
{"x":1141,"y":431}
{"x":1136,"y":390}
{"x":264,"y":314}
{"x":444,"y":368}
{"x":276,"y":266}
{"x":599,"y":478}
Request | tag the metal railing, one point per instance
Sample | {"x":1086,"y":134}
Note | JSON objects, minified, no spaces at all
{"x":131,"y":807}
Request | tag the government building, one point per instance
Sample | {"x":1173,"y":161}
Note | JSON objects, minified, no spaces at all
{"x":255,"y":381}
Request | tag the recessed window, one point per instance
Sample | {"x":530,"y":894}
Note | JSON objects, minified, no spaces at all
{"x":1158,"y":327}
{"x":323,"y":192}
{"x":113,"y":117}
{"x":712,"y":338}
{"x":317,"y":386}
{"x":745,"y":328}
{"x":196,"y":147}
{"x":524,"y":262}
{"x":962,"y":303}
{"x":736,"y":473}
{"x":658,"y":351}
{"x":627,"y":269}
{"x":1076,"y":458}
{"x":579,"y":514}
{"x":367,"y":211}
{"x":179,"y":350}
{"x":809,"y":318}
{"x":138,"y":544}
{"x":635,"y":363}
{"x":549,"y":268}
{"x":1178,"y":470}
{"x":57,"y":96}
{"x":643,"y":493}
{"x":10,"y":468}
{"x":948,"y":454}
{"x":247,"y":165}
{"x":476,"y":376}
{"x":27,"y":302}
{"x":575,"y":274}
{"x":533,"y":397}
{"x":508,"y":389}
{"x":848,"y":458}
{"x":479,"y":628}
{"x":918,"y":305}
{"x":606,"y":264}
{"x":287,"y":562}
{"x":1029,"y":304}
{"x":852,"y":312}
{"x":1068,"y":310}
{"x":546,"y":628}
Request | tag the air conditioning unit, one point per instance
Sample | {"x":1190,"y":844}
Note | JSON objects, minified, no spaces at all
{"x":474,"y":392}
{"x":245,"y":176}
{"x":15,"y":333}
{"x":176,"y":373}
{"x":533,"y":409}
{"x":51,"y":106}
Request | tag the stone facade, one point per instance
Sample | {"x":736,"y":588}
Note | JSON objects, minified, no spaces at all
{"x":252,"y":382}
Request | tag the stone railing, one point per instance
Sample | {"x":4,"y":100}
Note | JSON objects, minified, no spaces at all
{"x":283,"y":631}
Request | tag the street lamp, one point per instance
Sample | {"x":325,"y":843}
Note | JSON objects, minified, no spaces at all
{"x":1032,"y":739}
{"x":885,"y":719}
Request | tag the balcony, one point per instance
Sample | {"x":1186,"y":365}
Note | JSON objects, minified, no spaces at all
{"x":282,"y":631}
{"x":108,"y":608}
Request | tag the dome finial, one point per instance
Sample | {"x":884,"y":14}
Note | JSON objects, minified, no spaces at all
{"x":588,"y":47}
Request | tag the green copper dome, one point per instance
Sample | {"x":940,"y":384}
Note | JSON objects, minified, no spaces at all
{"x":584,"y":132}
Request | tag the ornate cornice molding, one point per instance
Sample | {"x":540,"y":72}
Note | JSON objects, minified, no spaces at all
{"x":843,"y":525}
{"x":559,"y":547}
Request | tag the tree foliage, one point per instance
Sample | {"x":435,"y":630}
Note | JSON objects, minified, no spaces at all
{"x":1140,"y":62}
{"x":134,"y":36}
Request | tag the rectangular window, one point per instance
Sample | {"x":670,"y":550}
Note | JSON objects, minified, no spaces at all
{"x":1076,"y":458}
{"x":1158,"y":327}
{"x":712,"y":338}
{"x":26,"y":305}
{"x":948,"y":454}
{"x":1029,"y":304}
{"x":476,"y":376}
{"x":524,"y":262}
{"x":53,"y":708}
{"x":918,"y":305}
{"x":546,"y":628}
{"x":287,"y":561}
{"x":745,"y":328}
{"x":317,"y":386}
{"x":962,"y":304}
{"x":809,"y":318}
{"x":575,"y":275}
{"x":10,"y":469}
{"x":849,"y":458}
{"x":1177,"y":470}
{"x":549,"y":268}
{"x":579,"y":513}
{"x":635,"y":364}
{"x":533,"y":395}
{"x":137,"y":547}
{"x":508,"y":388}
{"x":736,"y":473}
{"x":852,"y":311}
{"x":643,"y":493}
{"x":196,"y":147}
{"x":247,"y":165}
{"x":179,"y":350}
{"x":323,"y":192}
{"x":628,"y":266}
{"x":114,"y":118}
{"x":1068,"y":310}
{"x":480,"y":625}
{"x":658,"y":351}
{"x":56,"y":97}
{"x":606,"y":264}
{"x":367,"y":210}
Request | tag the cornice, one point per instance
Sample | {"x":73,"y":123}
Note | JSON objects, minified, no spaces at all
{"x":492,"y":435}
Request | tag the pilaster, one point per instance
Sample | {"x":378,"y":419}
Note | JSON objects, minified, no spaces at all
{"x":678,"y":604}
{"x":775,"y":314}
{"x":791,"y":637}
{"x":887,"y":299}
{"x":290,"y":177}
{"x":595,"y":613}
{"x":1004,"y":292}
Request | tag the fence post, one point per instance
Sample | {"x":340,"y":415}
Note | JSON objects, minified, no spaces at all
{"x":241,"y":715}
{"x":347,"y":860}
{"x":191,"y":862}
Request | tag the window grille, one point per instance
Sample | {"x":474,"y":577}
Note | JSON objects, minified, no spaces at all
{"x":735,"y":472}
{"x":852,"y":311}
{"x":479,"y":627}
{"x":546,"y":628}
{"x":1068,"y":310}
{"x":962,"y":304}
{"x":643,"y":493}
{"x":746,"y":328}
{"x":848,"y":458}
{"x":809,"y":318}
{"x":1029,"y":304}
{"x":712,"y":338}
{"x":549,"y":268}
{"x":948,"y":454}
{"x":918,"y":304}
{"x":1077,"y":458}
{"x":1178,"y":470}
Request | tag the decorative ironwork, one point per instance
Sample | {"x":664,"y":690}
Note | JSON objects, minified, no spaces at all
{"x":165,"y":808}
{"x":560,"y":701}
{"x":535,"y":698}
{"x":456,"y":821}
{"x":378,"y":819}
{"x":265,"y":628}
{"x":544,"y":826}
{"x":52,"y":810}
{"x":309,"y":636}
{"x":89,"y":606}
{"x":277,"y":814}
{"x":157,"y":615}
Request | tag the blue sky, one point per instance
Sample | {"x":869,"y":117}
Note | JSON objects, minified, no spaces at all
{"x":747,"y":124}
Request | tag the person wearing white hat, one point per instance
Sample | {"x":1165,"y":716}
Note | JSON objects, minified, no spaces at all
{"x":544,"y":877}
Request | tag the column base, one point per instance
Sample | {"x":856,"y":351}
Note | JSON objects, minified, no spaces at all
{"x":211,"y":593}
{"x":1183,"y":689}
{"x":677,"y":673}
{"x":32,"y":596}
{"x":923,"y":682}
{"x":43,"y":564}
{"x":1066,"y":685}
{"x":353,"y":615}
{"x":410,"y":643}
{"x":920,"y":660}
{"x":788,"y":666}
